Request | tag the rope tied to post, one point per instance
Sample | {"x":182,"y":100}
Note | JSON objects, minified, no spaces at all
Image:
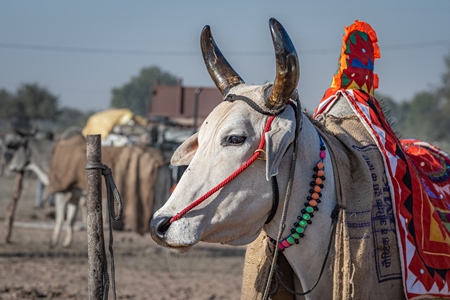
{"x":112,"y":193}
{"x":112,"y":196}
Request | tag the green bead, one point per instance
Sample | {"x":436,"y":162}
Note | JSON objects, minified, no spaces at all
{"x":291,"y":240}
{"x":296,"y":235}
{"x":309,"y":209}
{"x":303,"y":223}
{"x":306,"y":217}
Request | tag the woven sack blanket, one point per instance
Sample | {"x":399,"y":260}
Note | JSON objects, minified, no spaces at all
{"x":366,"y":262}
{"x":258,"y":259}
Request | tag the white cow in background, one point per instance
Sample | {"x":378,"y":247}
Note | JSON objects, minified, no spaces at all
{"x":34,"y":154}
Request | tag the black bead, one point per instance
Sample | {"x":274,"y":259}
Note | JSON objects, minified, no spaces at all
{"x":318,"y":200}
{"x":311,"y":215}
{"x":309,"y":222}
{"x":296,"y":224}
{"x":322,"y":177}
{"x":316,"y":208}
{"x":292,"y":230}
{"x":306,"y":204}
{"x":316,"y":169}
{"x":315,"y":176}
{"x":312,"y":183}
{"x":297,"y":241}
{"x":311,"y":191}
{"x":320,"y":194}
{"x":301,"y":235}
{"x":322,"y":148}
{"x":303,"y":212}
{"x":309,"y":198}
{"x":321,"y":185}
{"x":299,"y":217}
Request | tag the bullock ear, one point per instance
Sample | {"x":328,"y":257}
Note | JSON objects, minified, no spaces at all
{"x":278,"y":140}
{"x":185,"y":152}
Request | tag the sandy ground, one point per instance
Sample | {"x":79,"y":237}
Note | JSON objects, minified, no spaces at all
{"x":30,"y":269}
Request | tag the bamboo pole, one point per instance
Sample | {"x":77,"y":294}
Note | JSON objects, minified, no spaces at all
{"x":96,"y":249}
{"x":9,"y":218}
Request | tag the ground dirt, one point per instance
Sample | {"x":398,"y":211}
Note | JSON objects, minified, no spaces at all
{"x":30,"y":269}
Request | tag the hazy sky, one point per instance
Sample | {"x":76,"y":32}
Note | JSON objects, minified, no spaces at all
{"x":80,"y":50}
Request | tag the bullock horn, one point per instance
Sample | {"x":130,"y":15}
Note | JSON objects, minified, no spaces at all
{"x":218,"y":67}
{"x":288,"y":70}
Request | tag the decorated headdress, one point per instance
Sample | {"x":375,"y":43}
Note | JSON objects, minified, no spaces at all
{"x":356,"y":62}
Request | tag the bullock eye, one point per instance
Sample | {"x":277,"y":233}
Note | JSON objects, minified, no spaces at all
{"x":233,"y":140}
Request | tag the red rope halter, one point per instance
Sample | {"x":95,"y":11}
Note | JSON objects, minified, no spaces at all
{"x":229,"y":178}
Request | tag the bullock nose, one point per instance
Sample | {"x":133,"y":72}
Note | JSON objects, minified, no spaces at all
{"x":158,"y":228}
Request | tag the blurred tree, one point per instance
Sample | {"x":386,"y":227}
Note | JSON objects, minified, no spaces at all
{"x":445,"y":89}
{"x":443,"y":118}
{"x":426,"y":115}
{"x":70,"y":117}
{"x":36,"y":102}
{"x":6,"y":106}
{"x":395,"y":112}
{"x":417,"y":118}
{"x":420,"y":120}
{"x":136,"y":94}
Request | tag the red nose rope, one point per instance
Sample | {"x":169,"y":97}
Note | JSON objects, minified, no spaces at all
{"x":229,"y":178}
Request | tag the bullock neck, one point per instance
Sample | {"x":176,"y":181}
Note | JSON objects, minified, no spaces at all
{"x":313,"y":246}
{"x":311,"y":204}
{"x":308,"y":143}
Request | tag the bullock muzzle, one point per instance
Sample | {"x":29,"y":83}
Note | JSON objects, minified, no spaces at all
{"x":158,"y":229}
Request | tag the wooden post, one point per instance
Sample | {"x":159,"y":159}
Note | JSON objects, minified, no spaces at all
{"x":96,"y":249}
{"x":9,"y":219}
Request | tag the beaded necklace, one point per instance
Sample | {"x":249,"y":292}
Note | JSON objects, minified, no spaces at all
{"x":304,"y":219}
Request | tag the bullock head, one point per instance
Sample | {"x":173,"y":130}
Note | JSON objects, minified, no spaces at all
{"x":236,"y":213}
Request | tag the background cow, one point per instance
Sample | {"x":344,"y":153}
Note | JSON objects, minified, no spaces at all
{"x":64,"y":176}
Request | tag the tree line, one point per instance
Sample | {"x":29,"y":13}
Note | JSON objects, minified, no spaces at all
{"x":32,"y":105}
{"x":425,"y":116}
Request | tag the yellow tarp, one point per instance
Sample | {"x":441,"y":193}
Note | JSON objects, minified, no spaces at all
{"x":103,"y":122}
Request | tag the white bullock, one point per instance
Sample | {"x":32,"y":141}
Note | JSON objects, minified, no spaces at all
{"x":228,"y":138}
{"x":210,"y":205}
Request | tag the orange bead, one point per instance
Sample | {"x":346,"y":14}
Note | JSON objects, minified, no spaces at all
{"x":320,"y":173}
{"x":319,"y":180}
{"x":320,"y":165}
{"x":317,"y":189}
{"x":313,"y":203}
{"x":315,"y":196}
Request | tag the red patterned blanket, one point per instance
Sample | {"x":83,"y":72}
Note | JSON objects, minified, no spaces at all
{"x":417,"y":172}
{"x":418,"y":175}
